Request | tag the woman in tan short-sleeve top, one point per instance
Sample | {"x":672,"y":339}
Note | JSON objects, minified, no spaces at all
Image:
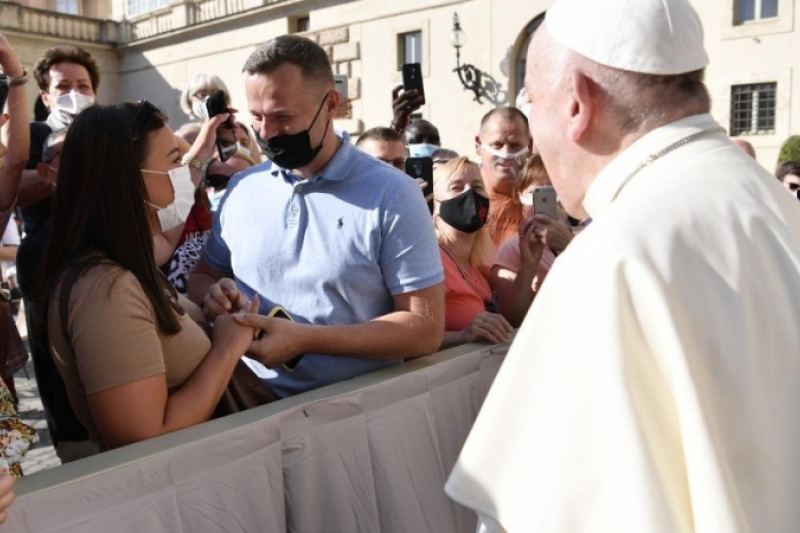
{"x":135,"y":363}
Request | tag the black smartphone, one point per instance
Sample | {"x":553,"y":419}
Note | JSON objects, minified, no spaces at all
{"x":226,"y":139}
{"x":216,"y":104}
{"x":422,"y":167}
{"x":4,"y":86}
{"x":412,"y":79}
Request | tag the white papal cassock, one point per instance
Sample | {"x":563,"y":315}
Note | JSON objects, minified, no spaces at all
{"x":655,"y":385}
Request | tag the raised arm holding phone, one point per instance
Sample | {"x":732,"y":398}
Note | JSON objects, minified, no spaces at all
{"x":14,"y":132}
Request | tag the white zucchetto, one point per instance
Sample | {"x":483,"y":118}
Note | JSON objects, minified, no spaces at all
{"x":661,"y":37}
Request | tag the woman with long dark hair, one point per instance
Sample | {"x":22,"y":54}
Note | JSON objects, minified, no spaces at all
{"x":135,"y":362}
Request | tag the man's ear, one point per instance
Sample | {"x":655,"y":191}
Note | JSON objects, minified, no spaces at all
{"x":582,"y":107}
{"x":45,"y":99}
{"x":478,"y":145}
{"x":332,"y":104}
{"x":45,"y":173}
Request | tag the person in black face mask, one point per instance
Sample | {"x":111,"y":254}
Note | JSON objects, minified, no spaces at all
{"x":460,"y":210}
{"x":341,"y":241}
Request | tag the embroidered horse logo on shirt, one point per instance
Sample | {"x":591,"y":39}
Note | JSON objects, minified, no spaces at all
{"x":340,"y":223}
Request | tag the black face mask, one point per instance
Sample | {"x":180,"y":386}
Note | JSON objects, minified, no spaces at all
{"x":291,"y":151}
{"x":466,"y":212}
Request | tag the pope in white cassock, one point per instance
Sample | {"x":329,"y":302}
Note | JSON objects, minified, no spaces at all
{"x":672,"y":403}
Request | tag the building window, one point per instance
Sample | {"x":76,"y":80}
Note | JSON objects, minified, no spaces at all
{"x":752,"y":10}
{"x":753,"y":109}
{"x":303,"y":24}
{"x":409,"y":46}
{"x":68,"y":7}
{"x":140,"y":7}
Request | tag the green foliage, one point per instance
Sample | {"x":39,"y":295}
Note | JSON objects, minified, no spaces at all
{"x":790,"y":151}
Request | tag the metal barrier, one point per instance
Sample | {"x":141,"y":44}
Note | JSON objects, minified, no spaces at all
{"x":370,"y":454}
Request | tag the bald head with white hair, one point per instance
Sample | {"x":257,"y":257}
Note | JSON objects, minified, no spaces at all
{"x":745,"y":147}
{"x":584,"y":114}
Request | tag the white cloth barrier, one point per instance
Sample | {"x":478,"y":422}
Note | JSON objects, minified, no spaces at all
{"x":370,"y":455}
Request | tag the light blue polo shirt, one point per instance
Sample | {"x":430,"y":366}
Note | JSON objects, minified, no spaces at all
{"x":331,"y":250}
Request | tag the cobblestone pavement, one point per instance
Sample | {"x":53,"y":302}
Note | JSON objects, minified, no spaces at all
{"x":42,"y":455}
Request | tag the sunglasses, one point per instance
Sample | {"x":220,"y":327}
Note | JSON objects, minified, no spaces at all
{"x":142,"y":118}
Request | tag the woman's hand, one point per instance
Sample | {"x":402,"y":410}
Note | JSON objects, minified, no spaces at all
{"x":231,"y":335}
{"x":531,"y":247}
{"x":489,"y":326}
{"x":6,"y":495}
{"x":204,"y":146}
{"x":9,"y":61}
{"x":223,"y":297}
{"x":556,"y":234}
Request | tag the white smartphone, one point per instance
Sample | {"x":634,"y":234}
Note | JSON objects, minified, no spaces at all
{"x":544,"y":202}
{"x":340,"y":82}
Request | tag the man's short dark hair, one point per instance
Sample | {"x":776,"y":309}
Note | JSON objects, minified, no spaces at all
{"x":788,"y":169}
{"x":65,"y":53}
{"x":509,"y":113}
{"x":304,"y":53}
{"x":380,"y":134}
{"x":422,"y":131}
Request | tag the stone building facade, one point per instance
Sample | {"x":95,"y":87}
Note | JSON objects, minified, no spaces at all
{"x":150,"y":48}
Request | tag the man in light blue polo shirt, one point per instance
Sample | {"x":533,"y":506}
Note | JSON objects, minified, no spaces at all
{"x":340,"y":240}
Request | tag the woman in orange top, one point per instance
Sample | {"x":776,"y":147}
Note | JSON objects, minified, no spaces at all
{"x":460,"y":210}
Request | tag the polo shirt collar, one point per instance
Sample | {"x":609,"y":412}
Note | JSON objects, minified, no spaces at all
{"x":601,"y":191}
{"x":337,"y":168}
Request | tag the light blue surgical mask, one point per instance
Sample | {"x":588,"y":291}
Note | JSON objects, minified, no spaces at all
{"x":422,"y":150}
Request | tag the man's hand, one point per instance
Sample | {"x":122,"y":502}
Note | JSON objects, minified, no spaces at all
{"x":345,"y":107}
{"x":422,"y":186}
{"x":403,"y":104}
{"x":488,"y":326}
{"x":223,"y":297}
{"x":281,"y":340}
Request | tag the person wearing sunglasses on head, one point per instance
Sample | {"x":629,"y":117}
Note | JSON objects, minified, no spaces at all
{"x":135,"y":362}
{"x":788,"y":173}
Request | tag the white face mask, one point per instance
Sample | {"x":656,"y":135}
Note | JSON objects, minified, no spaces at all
{"x":422,"y":150}
{"x":177,"y":212}
{"x":519,"y":157}
{"x":200,"y":110}
{"x":66,"y":107}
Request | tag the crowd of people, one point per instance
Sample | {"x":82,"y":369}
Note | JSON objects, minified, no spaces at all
{"x":168,"y":277}
{"x":153,"y":262}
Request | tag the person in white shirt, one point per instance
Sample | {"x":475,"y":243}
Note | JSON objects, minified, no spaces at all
{"x":672,"y":404}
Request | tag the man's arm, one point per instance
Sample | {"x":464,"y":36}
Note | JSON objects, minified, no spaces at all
{"x":414,"y":329}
